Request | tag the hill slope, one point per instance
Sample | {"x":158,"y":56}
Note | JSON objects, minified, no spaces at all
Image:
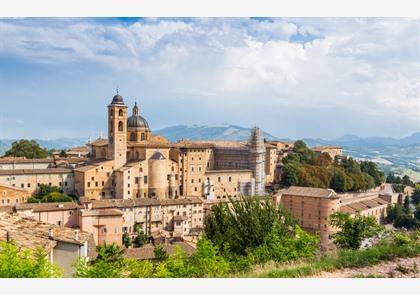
{"x":208,"y":132}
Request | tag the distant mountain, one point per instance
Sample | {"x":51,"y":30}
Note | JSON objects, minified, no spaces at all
{"x":208,"y":132}
{"x":352,"y":140}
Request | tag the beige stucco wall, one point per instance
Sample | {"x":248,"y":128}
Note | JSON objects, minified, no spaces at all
{"x":12,"y":195}
{"x":30,"y":182}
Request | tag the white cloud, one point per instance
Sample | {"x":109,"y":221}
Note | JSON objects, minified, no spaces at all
{"x":369,"y":66}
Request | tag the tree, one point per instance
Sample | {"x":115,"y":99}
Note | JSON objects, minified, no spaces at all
{"x":63,"y":154}
{"x":340,"y":182}
{"x":402,"y":216}
{"x":252,"y":226}
{"x":415,"y":196}
{"x":29,"y":149}
{"x":17,"y":263}
{"x":140,"y":239}
{"x":353,"y":230}
{"x":126,"y":239}
{"x":351,"y":166}
{"x":305,"y":154}
{"x":160,"y":253}
{"x":109,"y":263}
{"x":406,"y":180}
{"x":207,"y":261}
{"x":372,"y":169}
{"x":289,"y":175}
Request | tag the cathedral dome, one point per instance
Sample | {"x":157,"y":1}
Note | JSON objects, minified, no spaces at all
{"x":137,"y":121}
{"x":117,"y":99}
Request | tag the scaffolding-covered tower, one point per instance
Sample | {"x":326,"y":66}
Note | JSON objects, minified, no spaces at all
{"x":257,"y":160}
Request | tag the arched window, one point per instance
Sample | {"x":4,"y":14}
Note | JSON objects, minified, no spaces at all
{"x":143,"y":137}
{"x":133,"y":136}
{"x":111,"y":126}
{"x":120,"y":113}
{"x":137,"y":155}
{"x":120,"y":126}
{"x":111,"y":112}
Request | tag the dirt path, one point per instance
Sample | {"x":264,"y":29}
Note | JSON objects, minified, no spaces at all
{"x":398,"y":268}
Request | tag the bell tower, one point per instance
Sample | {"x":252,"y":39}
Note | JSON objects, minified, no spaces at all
{"x":117,"y":131}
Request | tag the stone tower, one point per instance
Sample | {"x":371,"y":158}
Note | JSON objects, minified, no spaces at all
{"x":117,"y":131}
{"x":256,"y":160}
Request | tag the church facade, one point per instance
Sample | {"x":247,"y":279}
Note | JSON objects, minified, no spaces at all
{"x":135,"y":163}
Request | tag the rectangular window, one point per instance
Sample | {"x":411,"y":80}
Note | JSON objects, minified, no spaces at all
{"x":145,"y":180}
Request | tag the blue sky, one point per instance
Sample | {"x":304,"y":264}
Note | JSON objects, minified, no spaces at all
{"x":293,"y":77}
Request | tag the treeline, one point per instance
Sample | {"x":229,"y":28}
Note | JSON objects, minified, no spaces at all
{"x":407,"y":215}
{"x":398,"y":182}
{"x":303,"y":167}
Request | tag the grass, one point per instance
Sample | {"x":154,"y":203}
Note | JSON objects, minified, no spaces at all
{"x":342,"y":259}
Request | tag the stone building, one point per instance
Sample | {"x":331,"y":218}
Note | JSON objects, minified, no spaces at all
{"x":31,"y":179}
{"x":312,"y":207}
{"x":10,"y":195}
{"x":333,"y":151}
{"x":134,"y":163}
{"x":18,"y":163}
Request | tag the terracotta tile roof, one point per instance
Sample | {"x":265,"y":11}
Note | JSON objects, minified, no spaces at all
{"x":92,"y":165}
{"x":120,"y":203}
{"x":228,"y":171}
{"x":358,"y":206}
{"x":22,"y":160}
{"x":310,"y":192}
{"x":192,"y":144}
{"x":43,"y":207}
{"x":78,"y":149}
{"x":347,"y":209}
{"x":6,"y":209}
{"x":35,"y":171}
{"x":149,"y":144}
{"x":147,"y":251}
{"x":181,"y":201}
{"x":361,"y":205}
{"x":29,"y":233}
{"x":381,"y":201}
{"x":99,"y":142}
{"x":13,"y":187}
{"x":102,"y":212}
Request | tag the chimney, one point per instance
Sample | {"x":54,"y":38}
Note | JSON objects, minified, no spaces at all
{"x":50,"y":232}
{"x":76,"y":235}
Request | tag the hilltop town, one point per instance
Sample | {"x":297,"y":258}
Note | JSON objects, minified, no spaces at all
{"x":134,"y":185}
